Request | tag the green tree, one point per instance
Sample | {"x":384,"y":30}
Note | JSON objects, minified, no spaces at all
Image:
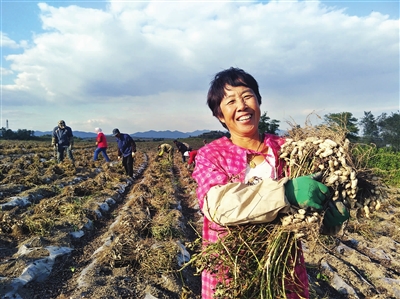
{"x":370,"y":128}
{"x":266,"y":125}
{"x":7,"y":134}
{"x":19,"y":135}
{"x":25,"y":134}
{"x":390,"y":129}
{"x":344,"y":120}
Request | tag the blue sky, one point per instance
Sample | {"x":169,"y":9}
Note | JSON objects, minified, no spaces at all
{"x":146,"y":65}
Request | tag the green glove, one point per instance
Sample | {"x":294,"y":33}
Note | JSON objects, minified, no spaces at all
{"x":335,"y":214}
{"x":305,"y":192}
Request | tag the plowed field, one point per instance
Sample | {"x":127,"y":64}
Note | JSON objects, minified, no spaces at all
{"x":90,"y":232}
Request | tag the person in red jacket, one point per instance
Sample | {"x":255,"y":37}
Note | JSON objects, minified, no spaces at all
{"x":101,"y":143}
{"x":192,"y":156}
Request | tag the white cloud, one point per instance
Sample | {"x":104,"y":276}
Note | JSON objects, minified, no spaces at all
{"x":7,"y":42}
{"x":5,"y":72}
{"x":147,"y":65}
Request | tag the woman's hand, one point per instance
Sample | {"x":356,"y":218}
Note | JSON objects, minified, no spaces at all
{"x":335,"y":214}
{"x":306,"y":192}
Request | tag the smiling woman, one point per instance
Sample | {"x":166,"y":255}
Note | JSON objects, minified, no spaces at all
{"x":242,"y":180}
{"x":240,"y":111}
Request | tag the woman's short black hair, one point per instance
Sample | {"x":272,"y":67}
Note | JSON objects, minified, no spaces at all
{"x":233,"y":77}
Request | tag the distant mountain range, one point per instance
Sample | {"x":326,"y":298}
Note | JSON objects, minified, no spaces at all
{"x":148,"y":134}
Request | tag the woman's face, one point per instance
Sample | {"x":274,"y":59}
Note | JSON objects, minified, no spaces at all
{"x":240,"y":110}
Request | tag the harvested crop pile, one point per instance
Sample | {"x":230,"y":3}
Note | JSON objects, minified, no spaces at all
{"x":341,"y":165}
{"x":255,"y":260}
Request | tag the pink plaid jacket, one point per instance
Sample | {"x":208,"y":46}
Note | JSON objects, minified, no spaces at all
{"x":221,"y":162}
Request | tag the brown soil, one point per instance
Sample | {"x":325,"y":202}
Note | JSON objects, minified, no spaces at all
{"x":126,"y":236}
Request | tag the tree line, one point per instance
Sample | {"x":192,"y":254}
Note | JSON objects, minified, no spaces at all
{"x":20,"y":134}
{"x":383,"y":130}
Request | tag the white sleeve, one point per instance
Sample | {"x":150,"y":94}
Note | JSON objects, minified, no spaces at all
{"x":238,"y":203}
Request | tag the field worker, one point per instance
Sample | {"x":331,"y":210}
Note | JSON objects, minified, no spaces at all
{"x":126,"y":150}
{"x":101,"y":142}
{"x":182,"y":148}
{"x":166,"y":148}
{"x":192,"y":156}
{"x":189,"y":148}
{"x":225,"y":166}
{"x":63,"y":140}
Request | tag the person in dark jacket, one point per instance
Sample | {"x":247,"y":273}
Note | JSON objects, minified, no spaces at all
{"x":126,"y":150}
{"x":101,"y":143}
{"x":63,"y":140}
{"x":182,"y":148}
